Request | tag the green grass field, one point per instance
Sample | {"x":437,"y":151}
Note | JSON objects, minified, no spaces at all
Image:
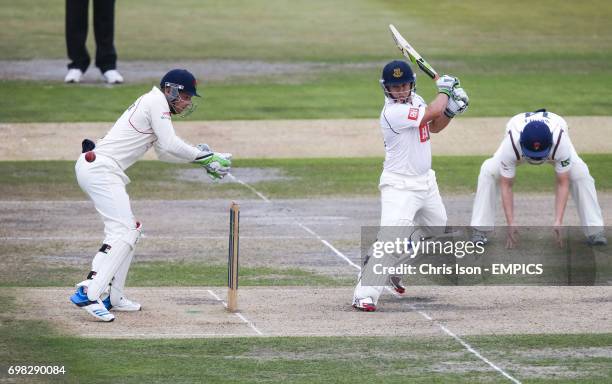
{"x":555,"y":56}
{"x":172,"y":274}
{"x":318,"y":30}
{"x":308,"y":178}
{"x":354,"y":94}
{"x":511,"y":57}
{"x":302,"y":360}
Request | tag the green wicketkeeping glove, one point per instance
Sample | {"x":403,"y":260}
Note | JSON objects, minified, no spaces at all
{"x":217,"y":165}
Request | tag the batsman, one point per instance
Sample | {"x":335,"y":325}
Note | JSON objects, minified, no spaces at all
{"x":100,"y":172}
{"x":408,"y":189}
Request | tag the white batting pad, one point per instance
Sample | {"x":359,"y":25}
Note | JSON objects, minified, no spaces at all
{"x":118,"y":284}
{"x":120,"y":250}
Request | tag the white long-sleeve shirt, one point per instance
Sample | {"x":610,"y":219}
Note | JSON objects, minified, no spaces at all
{"x":145,"y":124}
{"x":562,"y":154}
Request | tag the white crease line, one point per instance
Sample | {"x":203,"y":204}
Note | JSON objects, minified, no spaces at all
{"x":240,"y":316}
{"x":477,"y":354}
{"x":424,"y":314}
{"x":249,"y":187}
{"x":327,"y":244}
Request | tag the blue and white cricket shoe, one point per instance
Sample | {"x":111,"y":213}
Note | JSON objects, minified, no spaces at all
{"x":94,"y":308}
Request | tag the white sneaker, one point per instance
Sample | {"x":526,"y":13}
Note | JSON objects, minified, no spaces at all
{"x":73,"y":76}
{"x":365,"y":304}
{"x":99,"y":311}
{"x":94,"y":308}
{"x":125,"y":305}
{"x":112,"y":76}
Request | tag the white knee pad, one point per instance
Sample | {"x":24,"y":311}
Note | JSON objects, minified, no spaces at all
{"x":120,"y":250}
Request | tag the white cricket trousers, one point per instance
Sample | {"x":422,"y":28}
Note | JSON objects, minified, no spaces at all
{"x":582,"y":188}
{"x":104,"y":182}
{"x":406,"y":201}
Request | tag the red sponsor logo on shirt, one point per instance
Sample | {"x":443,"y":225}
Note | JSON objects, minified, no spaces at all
{"x":413,"y":114}
{"x":424,"y":132}
{"x":166,"y":115}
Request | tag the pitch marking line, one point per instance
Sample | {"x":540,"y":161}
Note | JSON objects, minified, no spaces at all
{"x":249,"y":187}
{"x":424,"y":314}
{"x":327,"y":244}
{"x":151,"y":237}
{"x":238,"y":314}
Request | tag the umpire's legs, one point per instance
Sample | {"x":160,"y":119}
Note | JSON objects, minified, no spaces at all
{"x":76,"y":33}
{"x":104,"y":30}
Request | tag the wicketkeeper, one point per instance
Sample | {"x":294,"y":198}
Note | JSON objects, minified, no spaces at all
{"x":100,"y":172}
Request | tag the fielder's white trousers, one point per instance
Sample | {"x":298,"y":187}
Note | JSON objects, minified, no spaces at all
{"x":582,"y":188}
{"x":406,"y":201}
{"x":104,"y":182}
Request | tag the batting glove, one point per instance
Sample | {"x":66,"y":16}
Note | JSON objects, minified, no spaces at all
{"x":460,"y":94}
{"x":457,"y":103}
{"x":446,"y":84}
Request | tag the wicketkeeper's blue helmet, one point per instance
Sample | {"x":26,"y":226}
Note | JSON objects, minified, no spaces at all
{"x":180,"y":79}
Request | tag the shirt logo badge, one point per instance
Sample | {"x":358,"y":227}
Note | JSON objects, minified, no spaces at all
{"x":397,"y":73}
{"x":166,"y":115}
{"x":413,"y":114}
{"x":565,"y":163}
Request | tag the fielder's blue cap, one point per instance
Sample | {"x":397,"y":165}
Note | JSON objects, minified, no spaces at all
{"x":536,"y":140}
{"x":397,"y":72}
{"x":183,"y":78}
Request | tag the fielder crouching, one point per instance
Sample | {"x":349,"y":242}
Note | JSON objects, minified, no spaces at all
{"x":535,"y":138}
{"x":100,"y":172}
{"x":408,"y":188}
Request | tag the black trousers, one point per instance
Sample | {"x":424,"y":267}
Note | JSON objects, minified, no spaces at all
{"x":104,"y":30}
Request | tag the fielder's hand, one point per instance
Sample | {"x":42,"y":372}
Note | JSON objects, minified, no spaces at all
{"x":558,"y":233}
{"x":217,"y":165}
{"x":457,"y":103}
{"x":446,"y":84}
{"x":512,"y":237}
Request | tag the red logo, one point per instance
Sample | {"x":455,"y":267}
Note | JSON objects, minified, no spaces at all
{"x":424,"y":132}
{"x":166,"y":115}
{"x":536,"y":146}
{"x":413,"y":114}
